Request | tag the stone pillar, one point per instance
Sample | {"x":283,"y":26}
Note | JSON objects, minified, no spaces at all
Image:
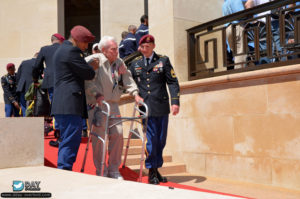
{"x":117,"y":15}
{"x":168,"y":20}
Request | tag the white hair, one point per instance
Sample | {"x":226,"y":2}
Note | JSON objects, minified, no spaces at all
{"x":104,"y":42}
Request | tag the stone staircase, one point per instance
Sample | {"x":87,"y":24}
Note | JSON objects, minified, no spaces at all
{"x":134,"y":155}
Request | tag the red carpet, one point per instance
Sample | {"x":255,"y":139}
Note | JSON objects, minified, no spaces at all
{"x":50,"y":160}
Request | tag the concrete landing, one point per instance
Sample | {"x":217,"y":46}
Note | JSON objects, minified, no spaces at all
{"x":65,"y":184}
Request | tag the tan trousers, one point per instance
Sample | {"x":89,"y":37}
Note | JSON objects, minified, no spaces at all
{"x":239,"y":45}
{"x":115,"y":142}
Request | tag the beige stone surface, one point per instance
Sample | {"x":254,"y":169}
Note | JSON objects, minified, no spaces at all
{"x":200,"y":12}
{"x":21,"y":142}
{"x":25,"y":27}
{"x":286,"y":173}
{"x":235,"y":127}
{"x":116,"y":16}
{"x":249,"y":169}
{"x":282,"y":94}
{"x":161,"y":26}
{"x":66,"y":184}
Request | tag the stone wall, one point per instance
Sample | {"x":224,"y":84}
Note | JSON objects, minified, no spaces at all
{"x":243,"y":127}
{"x":21,"y":142}
{"x":25,"y":27}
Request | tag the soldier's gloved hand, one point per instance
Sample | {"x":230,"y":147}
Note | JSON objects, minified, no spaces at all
{"x":95,"y":63}
{"x":175,"y":109}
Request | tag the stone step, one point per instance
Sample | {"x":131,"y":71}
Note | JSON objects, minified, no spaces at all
{"x":136,"y":159}
{"x":133,"y":142}
{"x":133,"y":150}
{"x":168,"y":168}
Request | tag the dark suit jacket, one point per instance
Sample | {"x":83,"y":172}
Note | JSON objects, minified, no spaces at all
{"x":152,"y":80}
{"x":45,"y":55}
{"x":24,"y":75}
{"x":70,"y":71}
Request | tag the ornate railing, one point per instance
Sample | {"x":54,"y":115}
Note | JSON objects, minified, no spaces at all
{"x":269,"y":40}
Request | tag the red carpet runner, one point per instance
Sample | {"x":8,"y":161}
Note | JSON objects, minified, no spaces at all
{"x":50,"y":160}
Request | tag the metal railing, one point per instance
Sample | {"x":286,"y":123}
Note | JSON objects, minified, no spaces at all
{"x":268,"y":40}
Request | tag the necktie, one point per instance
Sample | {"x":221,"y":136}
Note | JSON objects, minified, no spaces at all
{"x":147,"y":61}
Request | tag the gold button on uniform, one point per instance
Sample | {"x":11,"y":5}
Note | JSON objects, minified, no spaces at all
{"x":148,"y":85}
{"x":149,"y":92}
{"x":147,"y":73}
{"x":148,"y":79}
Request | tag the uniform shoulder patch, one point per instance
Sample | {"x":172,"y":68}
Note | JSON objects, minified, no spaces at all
{"x":162,"y":56}
{"x":137,"y":58}
{"x":173,"y":73}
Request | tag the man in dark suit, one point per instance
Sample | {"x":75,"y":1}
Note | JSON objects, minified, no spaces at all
{"x":24,"y":80}
{"x":9,"y":85}
{"x":69,"y":102}
{"x":46,"y":55}
{"x":152,"y":73}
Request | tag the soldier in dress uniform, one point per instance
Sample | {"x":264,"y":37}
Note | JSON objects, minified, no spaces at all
{"x":69,"y":103}
{"x":24,"y":80}
{"x":9,"y":85}
{"x":152,"y":72}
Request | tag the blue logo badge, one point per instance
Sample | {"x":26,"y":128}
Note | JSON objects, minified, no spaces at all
{"x":18,"y":185}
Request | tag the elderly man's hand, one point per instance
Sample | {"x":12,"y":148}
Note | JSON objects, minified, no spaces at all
{"x":138,"y":99}
{"x":122,"y":69}
{"x":100,"y":99}
{"x":95,"y":63}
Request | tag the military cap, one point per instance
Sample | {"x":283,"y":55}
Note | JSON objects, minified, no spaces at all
{"x":9,"y":65}
{"x":59,"y":37}
{"x":82,"y":34}
{"x":146,"y":39}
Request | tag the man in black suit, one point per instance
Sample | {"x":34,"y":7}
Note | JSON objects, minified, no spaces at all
{"x":24,"y":80}
{"x":69,"y":102}
{"x":152,"y":73}
{"x":46,"y":55}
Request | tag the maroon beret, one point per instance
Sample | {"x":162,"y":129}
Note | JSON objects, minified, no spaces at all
{"x":9,"y":65}
{"x":82,"y":34}
{"x":146,"y":39}
{"x":59,"y":37}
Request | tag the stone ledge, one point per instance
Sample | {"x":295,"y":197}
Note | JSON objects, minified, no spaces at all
{"x":258,"y":74}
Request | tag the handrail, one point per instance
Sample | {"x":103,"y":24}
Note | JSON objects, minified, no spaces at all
{"x":207,"y":47}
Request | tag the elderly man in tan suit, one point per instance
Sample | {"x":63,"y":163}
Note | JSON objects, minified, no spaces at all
{"x":111,"y":79}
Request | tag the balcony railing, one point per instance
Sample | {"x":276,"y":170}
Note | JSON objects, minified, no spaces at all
{"x":269,"y":36}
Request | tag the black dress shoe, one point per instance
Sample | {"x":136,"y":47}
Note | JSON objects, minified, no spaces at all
{"x":55,"y":143}
{"x":160,"y":177}
{"x":152,"y":178}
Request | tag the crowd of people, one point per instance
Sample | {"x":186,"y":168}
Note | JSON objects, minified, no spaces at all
{"x":241,"y":57}
{"x":75,"y":86}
